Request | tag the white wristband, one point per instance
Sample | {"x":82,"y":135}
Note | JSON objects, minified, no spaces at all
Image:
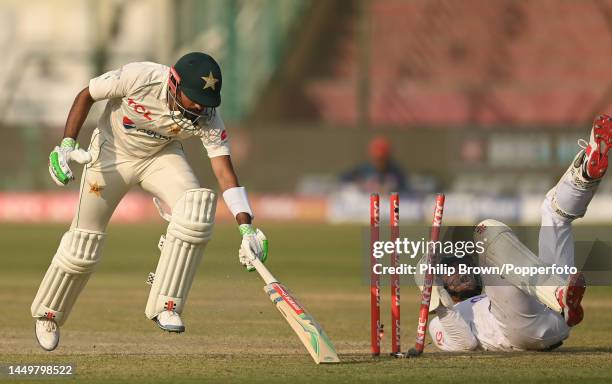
{"x":237,"y":201}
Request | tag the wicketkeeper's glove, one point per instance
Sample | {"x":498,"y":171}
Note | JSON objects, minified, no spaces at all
{"x":445,"y":298}
{"x":254,"y":244}
{"x":61,"y":156}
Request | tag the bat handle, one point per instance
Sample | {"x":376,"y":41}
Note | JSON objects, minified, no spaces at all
{"x":267,"y":277}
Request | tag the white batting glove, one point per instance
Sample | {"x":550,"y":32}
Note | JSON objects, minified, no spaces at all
{"x":61,"y":156}
{"x":254,"y":245}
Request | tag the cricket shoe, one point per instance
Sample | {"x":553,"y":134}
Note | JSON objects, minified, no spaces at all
{"x":47,"y":333}
{"x":570,"y":298}
{"x":170,"y":321}
{"x":596,"y":151}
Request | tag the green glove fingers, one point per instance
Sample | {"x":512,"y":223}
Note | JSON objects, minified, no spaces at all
{"x":58,"y":161}
{"x":56,"y":168}
{"x":264,"y":255}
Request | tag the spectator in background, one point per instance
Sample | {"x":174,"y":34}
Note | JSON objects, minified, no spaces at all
{"x":380,"y":174}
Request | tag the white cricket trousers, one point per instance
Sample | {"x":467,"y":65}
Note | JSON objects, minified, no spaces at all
{"x":112,"y":174}
{"x":527,"y":323}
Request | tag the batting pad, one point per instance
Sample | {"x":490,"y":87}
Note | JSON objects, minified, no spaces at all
{"x":571,"y":196}
{"x":76,"y":258}
{"x":189,"y":231}
{"x":503,"y":247}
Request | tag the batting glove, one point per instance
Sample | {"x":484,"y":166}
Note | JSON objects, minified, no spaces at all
{"x":254,"y":245}
{"x":61,"y":156}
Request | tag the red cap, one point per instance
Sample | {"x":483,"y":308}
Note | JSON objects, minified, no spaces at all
{"x":379,"y":147}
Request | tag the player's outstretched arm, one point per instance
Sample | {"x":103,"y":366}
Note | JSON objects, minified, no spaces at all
{"x":68,"y":150}
{"x":254,"y":242}
{"x":449,"y":330}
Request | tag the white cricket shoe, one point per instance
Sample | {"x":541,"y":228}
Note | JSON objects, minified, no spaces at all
{"x":170,"y":321}
{"x":47,"y":333}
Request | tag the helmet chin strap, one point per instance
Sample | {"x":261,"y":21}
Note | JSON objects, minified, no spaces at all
{"x":180,"y":114}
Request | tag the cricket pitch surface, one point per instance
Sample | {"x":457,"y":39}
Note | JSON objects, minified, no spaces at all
{"x":234,"y":334}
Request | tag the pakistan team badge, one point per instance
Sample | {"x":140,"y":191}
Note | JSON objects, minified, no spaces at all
{"x":209,"y":81}
{"x":174,"y":129}
{"x":96,"y":189}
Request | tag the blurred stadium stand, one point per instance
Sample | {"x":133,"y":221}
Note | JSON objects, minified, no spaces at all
{"x":486,"y":96}
{"x":444,"y":62}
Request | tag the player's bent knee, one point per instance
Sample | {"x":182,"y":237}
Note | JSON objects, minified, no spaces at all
{"x":189,"y":231}
{"x":516,"y":262}
{"x":77,"y":256}
{"x":500,"y":244}
{"x":193,"y":216}
{"x":487,"y":231}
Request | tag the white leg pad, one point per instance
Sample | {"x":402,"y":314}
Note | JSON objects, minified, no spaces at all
{"x":76,"y":258}
{"x":571,"y":196}
{"x":189,"y":231}
{"x":503,"y":247}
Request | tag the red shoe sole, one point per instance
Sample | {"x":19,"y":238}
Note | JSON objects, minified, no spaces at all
{"x":598,"y":161}
{"x":573,"y":299}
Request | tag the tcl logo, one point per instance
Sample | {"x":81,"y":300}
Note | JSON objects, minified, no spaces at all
{"x":139,"y":108}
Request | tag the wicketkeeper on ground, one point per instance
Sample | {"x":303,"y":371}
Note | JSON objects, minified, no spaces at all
{"x":525,"y":312}
{"x":150,"y":108}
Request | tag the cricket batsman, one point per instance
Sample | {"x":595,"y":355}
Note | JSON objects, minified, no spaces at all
{"x":150,"y":108}
{"x":533,"y":312}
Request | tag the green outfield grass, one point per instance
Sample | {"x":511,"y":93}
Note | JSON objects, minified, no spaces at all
{"x":234,"y":333}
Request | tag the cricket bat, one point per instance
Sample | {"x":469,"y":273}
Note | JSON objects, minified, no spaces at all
{"x":304,"y":325}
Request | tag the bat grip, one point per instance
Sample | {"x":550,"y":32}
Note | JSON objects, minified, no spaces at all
{"x":267,"y":277}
